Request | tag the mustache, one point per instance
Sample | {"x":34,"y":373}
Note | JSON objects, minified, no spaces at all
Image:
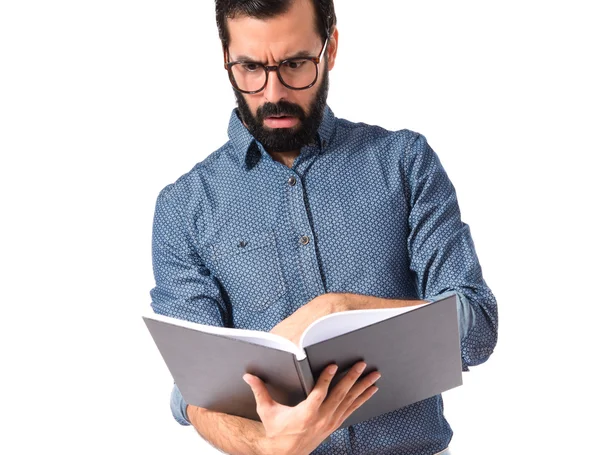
{"x":282,"y":108}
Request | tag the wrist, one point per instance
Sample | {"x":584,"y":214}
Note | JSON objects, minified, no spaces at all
{"x":275,"y":446}
{"x":188,"y":414}
{"x":268,"y":446}
{"x":192,"y":413}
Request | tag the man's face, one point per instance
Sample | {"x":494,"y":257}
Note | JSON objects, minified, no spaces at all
{"x":282,"y":119}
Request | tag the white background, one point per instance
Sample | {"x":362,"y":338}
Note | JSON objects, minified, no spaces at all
{"x":103,"y":103}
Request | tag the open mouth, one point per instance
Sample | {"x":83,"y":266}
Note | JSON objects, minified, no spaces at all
{"x":281,"y":121}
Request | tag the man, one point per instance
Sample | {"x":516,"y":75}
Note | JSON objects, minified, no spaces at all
{"x":301,"y":214}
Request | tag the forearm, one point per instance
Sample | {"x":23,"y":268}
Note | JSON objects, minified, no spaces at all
{"x":466,"y":314}
{"x":363,"y":302}
{"x":231,"y":434}
{"x":293,"y":326}
{"x":477,"y":322}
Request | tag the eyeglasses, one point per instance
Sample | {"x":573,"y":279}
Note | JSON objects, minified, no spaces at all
{"x":297,"y":73}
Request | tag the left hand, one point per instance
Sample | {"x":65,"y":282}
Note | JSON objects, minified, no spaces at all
{"x":294,"y":325}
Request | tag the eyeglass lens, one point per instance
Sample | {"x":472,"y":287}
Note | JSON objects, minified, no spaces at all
{"x":297,"y":73}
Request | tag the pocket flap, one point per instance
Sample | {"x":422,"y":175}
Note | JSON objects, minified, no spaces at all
{"x":243,"y":243}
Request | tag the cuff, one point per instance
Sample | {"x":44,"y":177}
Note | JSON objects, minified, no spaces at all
{"x":178,"y":406}
{"x":466,"y":315}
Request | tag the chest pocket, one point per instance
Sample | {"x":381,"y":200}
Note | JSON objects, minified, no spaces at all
{"x":249,"y":269}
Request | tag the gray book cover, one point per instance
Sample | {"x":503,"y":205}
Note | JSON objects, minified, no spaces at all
{"x":417,"y":353}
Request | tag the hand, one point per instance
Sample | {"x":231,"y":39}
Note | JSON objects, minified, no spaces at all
{"x":300,"y":429}
{"x":294,"y":325}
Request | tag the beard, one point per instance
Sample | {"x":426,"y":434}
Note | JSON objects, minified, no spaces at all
{"x":286,"y":139}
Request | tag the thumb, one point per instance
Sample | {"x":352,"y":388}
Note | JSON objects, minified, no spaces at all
{"x":261,"y":394}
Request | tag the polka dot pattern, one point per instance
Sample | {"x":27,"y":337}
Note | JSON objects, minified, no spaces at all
{"x":243,"y":241}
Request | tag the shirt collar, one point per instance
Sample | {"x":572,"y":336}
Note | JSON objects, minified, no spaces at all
{"x":247,"y":149}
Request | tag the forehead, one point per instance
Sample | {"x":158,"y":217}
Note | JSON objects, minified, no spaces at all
{"x":289,"y":32}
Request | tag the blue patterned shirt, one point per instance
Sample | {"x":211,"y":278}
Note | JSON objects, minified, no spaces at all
{"x":243,"y":241}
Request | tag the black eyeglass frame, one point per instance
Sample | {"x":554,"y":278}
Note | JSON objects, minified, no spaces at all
{"x":268,"y":69}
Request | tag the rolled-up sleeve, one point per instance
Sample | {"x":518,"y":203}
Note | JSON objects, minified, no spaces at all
{"x":442,"y":254}
{"x":185,"y":288}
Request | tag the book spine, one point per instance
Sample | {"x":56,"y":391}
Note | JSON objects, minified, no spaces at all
{"x":308,"y":381}
{"x":305,"y":374}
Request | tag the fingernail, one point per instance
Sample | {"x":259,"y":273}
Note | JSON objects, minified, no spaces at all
{"x":332,"y":369}
{"x":362,"y":367}
{"x":377,"y":377}
{"x":375,"y":391}
{"x":245,"y":379}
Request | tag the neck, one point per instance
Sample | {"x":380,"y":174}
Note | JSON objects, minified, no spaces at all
{"x":286,"y":158}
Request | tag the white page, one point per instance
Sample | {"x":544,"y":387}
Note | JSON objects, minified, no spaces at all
{"x":336,"y":324}
{"x":270,"y":340}
{"x":250,"y":336}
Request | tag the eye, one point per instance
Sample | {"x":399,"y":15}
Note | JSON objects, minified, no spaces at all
{"x":295,"y":64}
{"x":250,"y":67}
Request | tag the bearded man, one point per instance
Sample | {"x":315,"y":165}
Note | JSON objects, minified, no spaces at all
{"x":301,"y":214}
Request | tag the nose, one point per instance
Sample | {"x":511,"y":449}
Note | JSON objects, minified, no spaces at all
{"x":275,"y":90}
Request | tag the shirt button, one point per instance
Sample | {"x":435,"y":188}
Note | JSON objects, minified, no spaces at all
{"x":292,"y":180}
{"x":304,"y":240}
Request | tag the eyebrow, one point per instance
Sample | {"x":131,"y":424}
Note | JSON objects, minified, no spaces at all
{"x":248,"y":59}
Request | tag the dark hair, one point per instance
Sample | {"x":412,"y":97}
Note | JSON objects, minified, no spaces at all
{"x":264,"y":9}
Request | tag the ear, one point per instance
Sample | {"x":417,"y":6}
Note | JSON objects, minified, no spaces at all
{"x":332,"y":48}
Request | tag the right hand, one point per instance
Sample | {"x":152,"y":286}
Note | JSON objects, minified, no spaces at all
{"x":300,"y":429}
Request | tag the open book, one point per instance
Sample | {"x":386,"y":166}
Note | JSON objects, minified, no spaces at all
{"x":416,"y":349}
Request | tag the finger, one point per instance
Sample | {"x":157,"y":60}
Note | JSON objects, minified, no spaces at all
{"x":357,"y":390}
{"x":339,"y":392}
{"x":319,"y":392}
{"x":261,"y":394}
{"x":362,"y":399}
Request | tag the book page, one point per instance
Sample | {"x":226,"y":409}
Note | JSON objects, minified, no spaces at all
{"x":249,"y":336}
{"x":270,"y":340}
{"x":336,"y":324}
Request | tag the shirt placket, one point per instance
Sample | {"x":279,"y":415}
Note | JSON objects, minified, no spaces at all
{"x":301,"y":226}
